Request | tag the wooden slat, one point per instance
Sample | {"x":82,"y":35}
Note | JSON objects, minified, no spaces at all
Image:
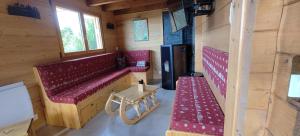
{"x":264,"y":46}
{"x":101,"y":2}
{"x":198,"y":44}
{"x":282,"y":71}
{"x":268,"y":14}
{"x":255,"y":122}
{"x":141,"y":9}
{"x":130,"y":4}
{"x":239,"y":66}
{"x":283,"y":118}
{"x":289,"y":30}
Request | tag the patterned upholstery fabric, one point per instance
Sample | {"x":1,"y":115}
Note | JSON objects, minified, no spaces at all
{"x":59,"y":76}
{"x":74,"y":80}
{"x":215,"y":63}
{"x":138,"y":69}
{"x":195,"y":109}
{"x":81,"y":91}
{"x":138,"y":55}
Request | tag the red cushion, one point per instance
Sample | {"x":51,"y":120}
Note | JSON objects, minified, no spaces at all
{"x":215,"y":63}
{"x":58,"y":76}
{"x":81,"y":91}
{"x":195,"y":109}
{"x":138,"y":55}
{"x":138,"y":69}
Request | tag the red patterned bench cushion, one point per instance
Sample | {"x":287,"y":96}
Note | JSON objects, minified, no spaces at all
{"x":215,"y":63}
{"x":81,"y":91}
{"x":138,"y":69}
{"x":59,"y":76}
{"x":195,"y":108}
{"x":138,"y":55}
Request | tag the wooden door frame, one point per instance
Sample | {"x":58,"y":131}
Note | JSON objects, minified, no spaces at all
{"x":243,"y":14}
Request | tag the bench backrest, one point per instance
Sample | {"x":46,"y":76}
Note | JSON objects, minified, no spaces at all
{"x":138,"y":55}
{"x":215,"y":64}
{"x":60,"y":75}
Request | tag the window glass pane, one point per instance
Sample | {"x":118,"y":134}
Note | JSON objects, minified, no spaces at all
{"x":70,"y":29}
{"x":294,"y":89}
{"x":93,"y":32}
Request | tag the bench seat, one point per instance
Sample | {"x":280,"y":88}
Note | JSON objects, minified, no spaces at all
{"x":195,"y":109}
{"x":138,"y":69}
{"x":75,"y":90}
{"x":83,"y":90}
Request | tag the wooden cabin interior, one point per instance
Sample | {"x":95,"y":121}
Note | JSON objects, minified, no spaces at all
{"x":150,"y":67}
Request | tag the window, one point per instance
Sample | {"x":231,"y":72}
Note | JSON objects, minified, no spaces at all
{"x":294,"y":87}
{"x":71,"y":30}
{"x":93,"y":32}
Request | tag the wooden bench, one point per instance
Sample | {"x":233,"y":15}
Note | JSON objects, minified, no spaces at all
{"x":195,"y":109}
{"x":200,"y":101}
{"x":74,"y":91}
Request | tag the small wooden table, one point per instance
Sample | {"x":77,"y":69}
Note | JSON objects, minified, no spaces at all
{"x":133,"y":97}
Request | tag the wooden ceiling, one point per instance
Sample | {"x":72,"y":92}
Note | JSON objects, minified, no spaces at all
{"x":128,"y":6}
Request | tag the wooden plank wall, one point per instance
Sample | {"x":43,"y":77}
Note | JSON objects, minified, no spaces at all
{"x":275,"y":42}
{"x":213,"y":31}
{"x":26,"y":42}
{"x":268,"y":14}
{"x":126,"y":37}
{"x":282,"y":116}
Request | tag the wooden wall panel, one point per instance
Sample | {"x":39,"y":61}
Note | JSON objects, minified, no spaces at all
{"x":289,"y":29}
{"x":283,"y":118}
{"x":268,"y":15}
{"x":282,"y":72}
{"x":264,"y":45}
{"x":213,"y":31}
{"x":126,"y":37}
{"x":260,"y":81}
{"x":198,"y":44}
{"x":255,"y":122}
{"x":281,"y":115}
{"x":26,"y":42}
{"x":216,"y":28}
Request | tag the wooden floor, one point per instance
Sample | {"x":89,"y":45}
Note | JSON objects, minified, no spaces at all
{"x":155,"y":124}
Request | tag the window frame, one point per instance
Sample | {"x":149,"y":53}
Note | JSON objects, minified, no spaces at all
{"x":100,"y":27}
{"x":87,"y":51}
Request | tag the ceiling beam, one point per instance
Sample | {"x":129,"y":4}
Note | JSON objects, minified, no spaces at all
{"x":130,"y":4}
{"x":141,"y":9}
{"x":101,"y":2}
